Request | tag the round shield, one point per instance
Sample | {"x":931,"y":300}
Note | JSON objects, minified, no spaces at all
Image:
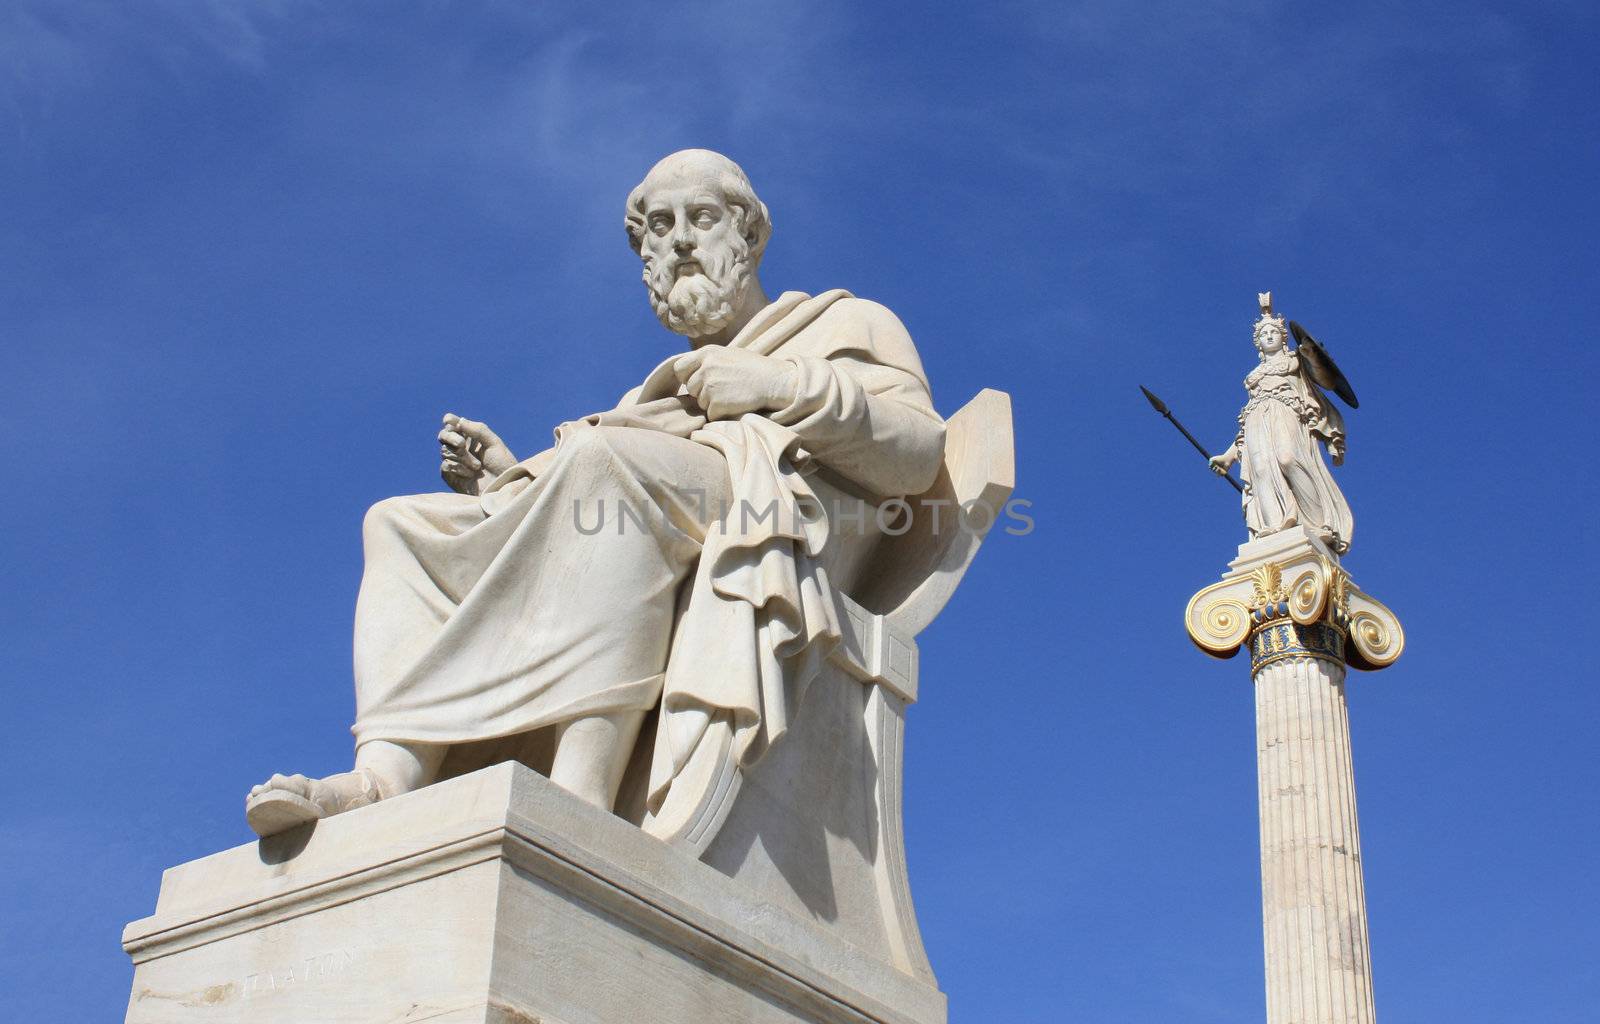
{"x":1321,"y":365}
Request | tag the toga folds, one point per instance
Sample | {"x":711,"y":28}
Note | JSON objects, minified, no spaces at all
{"x":651,"y":558}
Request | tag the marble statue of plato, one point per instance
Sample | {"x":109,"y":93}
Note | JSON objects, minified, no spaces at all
{"x":677,"y":554}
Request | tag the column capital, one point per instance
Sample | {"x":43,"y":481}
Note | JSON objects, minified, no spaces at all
{"x":1287,"y":596}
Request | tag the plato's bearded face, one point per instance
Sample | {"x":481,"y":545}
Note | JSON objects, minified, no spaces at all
{"x":696,"y":258}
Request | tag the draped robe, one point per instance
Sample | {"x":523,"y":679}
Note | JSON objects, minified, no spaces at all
{"x":651,"y":559}
{"x":1284,"y":476}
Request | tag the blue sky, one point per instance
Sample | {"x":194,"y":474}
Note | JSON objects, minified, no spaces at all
{"x":250,"y":251}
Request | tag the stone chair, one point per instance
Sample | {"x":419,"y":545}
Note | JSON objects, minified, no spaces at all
{"x":815,"y":826}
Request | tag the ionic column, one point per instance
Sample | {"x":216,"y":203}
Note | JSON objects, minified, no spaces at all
{"x":1313,"y":907}
{"x":1288,"y":600}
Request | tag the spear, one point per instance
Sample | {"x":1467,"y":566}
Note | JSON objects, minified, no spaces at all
{"x":1161,"y":407}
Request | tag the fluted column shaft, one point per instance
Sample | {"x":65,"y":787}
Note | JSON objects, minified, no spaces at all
{"x":1304,"y":620}
{"x":1312,"y":899}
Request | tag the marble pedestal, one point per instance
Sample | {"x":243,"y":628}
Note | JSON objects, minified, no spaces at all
{"x":494,"y":898}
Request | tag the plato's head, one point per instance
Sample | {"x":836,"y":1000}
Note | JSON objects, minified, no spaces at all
{"x":697,"y":224}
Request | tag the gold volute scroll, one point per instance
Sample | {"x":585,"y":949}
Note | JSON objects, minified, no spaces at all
{"x":1376,"y":637}
{"x":1309,"y":589}
{"x":1307,"y":596}
{"x":1218,"y":625}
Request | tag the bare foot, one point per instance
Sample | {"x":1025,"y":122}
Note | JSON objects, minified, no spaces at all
{"x":284,"y":801}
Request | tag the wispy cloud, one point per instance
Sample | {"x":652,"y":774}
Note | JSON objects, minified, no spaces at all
{"x":51,"y":52}
{"x":596,"y":101}
{"x":1216,"y":90}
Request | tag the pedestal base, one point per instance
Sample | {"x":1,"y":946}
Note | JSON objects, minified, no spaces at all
{"x":495,"y":897}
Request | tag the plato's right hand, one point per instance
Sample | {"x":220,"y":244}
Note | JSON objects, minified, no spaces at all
{"x":472,"y":454}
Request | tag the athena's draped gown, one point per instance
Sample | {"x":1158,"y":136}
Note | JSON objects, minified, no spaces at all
{"x":1286,"y":481}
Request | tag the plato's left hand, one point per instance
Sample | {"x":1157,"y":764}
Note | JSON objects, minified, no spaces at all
{"x":729,"y":382}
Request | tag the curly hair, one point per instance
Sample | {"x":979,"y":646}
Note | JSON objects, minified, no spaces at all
{"x":1268,"y":320}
